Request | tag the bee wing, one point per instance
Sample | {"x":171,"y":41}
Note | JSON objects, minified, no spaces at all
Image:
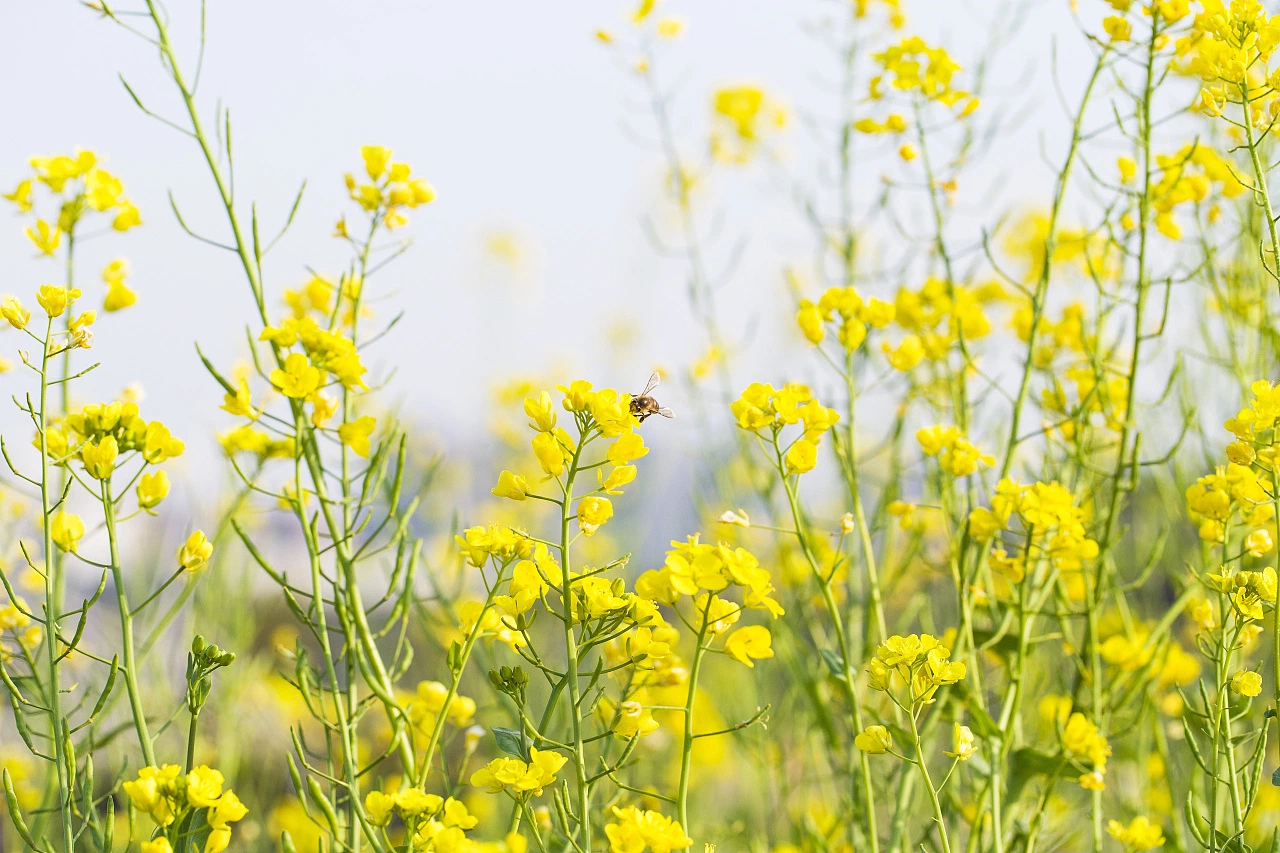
{"x":666,"y":413}
{"x":653,"y":383}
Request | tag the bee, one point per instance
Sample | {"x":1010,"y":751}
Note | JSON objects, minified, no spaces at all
{"x":642,"y":405}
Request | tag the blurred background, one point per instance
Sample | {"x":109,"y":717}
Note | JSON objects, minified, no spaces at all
{"x":536,"y":259}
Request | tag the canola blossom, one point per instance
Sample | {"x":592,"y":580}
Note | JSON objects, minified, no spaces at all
{"x":965,"y":541}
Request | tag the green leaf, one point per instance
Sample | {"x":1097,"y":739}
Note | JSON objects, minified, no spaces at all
{"x":1024,"y":765}
{"x":834,"y":664}
{"x":510,"y":741}
{"x":1275,"y":778}
{"x":983,"y":724}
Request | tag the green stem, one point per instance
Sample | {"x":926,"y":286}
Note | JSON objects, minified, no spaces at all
{"x":51,"y":628}
{"x":126,"y":629}
{"x":686,"y":753}
{"x":928,"y":784}
{"x":571,"y":656}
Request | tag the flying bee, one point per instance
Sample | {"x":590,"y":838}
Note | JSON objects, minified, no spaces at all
{"x":642,"y":405}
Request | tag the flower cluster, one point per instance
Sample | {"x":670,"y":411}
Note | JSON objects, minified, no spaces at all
{"x":1141,"y":834}
{"x":80,"y":186}
{"x":743,"y":116}
{"x":520,"y":779}
{"x":391,"y":189}
{"x":636,"y":829}
{"x":918,"y":661}
{"x":846,"y":313}
{"x":1052,"y":528}
{"x":761,"y":406}
{"x":955,"y":453}
{"x":1081,"y":740}
{"x":435,"y":824}
{"x":1217,"y":498}
{"x":168,"y":796}
{"x":913,"y":66}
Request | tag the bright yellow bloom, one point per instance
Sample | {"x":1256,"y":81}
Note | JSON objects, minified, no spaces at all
{"x":240,"y":403}
{"x":518,"y":776}
{"x":12,"y":310}
{"x":356,"y":434}
{"x":1118,"y":28}
{"x":66,"y":530}
{"x":637,"y":829}
{"x":874,"y":740}
{"x":749,"y":644}
{"x":801,"y":457}
{"x":376,"y":158}
{"x":542,"y":415}
{"x":195,"y":552}
{"x":204,"y":786}
{"x":379,"y":807}
{"x":152,"y":489}
{"x":100,"y":458}
{"x":593,"y":512}
{"x":1141,"y":834}
{"x":1246,"y":683}
{"x":46,"y":237}
{"x":963,"y":747}
{"x":297,"y":379}
{"x":511,"y":486}
{"x":55,"y":299}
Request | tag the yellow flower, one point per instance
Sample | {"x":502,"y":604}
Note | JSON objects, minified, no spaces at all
{"x":1246,"y":683}
{"x":1258,"y":543}
{"x":21,"y":196}
{"x":195,"y":552}
{"x":159,"y":444}
{"x":669,"y":28}
{"x":748,"y":644}
{"x":592,"y":513}
{"x":874,"y":740}
{"x":204,"y":786}
{"x":379,"y":807}
{"x":542,"y":415}
{"x":356,"y":434}
{"x":45,"y":236}
{"x":54,"y":299}
{"x":376,"y":158}
{"x":518,"y":776}
{"x":128,"y":217}
{"x":66,"y":530}
{"x":1141,"y":834}
{"x":297,"y":379}
{"x":511,"y":486}
{"x":100,"y":458}
{"x":118,"y":297}
{"x":157,"y":845}
{"x":226,"y":809}
{"x":12,"y":310}
{"x":638,"y":828}
{"x":553,"y":449}
{"x":963,"y":743}
{"x":908,"y":354}
{"x":152,"y":489}
{"x":219,"y":839}
{"x":810,"y":322}
{"x":1118,"y":28}
{"x":627,"y":447}
{"x":801,"y":457}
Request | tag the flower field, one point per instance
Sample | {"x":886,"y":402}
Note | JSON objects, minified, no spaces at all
{"x":964,"y":541}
